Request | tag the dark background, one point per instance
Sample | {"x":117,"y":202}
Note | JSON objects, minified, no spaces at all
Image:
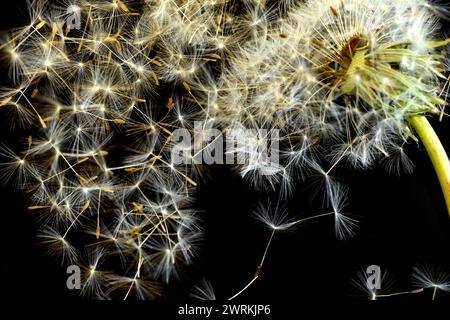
{"x":403,"y":222}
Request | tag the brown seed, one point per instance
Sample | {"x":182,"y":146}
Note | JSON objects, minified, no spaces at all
{"x":335,"y":12}
{"x":317,"y":42}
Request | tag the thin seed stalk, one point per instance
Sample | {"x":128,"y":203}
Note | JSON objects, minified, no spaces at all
{"x":436,"y":152}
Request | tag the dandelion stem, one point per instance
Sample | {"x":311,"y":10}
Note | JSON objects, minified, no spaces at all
{"x":436,"y":153}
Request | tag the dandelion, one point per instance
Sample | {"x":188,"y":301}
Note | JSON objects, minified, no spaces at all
{"x":276,"y":219}
{"x":102,"y":86}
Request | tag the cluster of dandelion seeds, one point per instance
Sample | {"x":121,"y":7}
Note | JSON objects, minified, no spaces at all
{"x":100,"y":86}
{"x":340,"y":80}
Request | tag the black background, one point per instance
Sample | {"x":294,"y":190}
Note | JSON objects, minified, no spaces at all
{"x":403,"y":222}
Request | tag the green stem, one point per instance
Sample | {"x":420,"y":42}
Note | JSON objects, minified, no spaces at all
{"x":436,"y":153}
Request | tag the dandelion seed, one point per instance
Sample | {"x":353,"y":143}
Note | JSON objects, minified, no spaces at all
{"x":430,"y":277}
{"x":385,"y":289}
